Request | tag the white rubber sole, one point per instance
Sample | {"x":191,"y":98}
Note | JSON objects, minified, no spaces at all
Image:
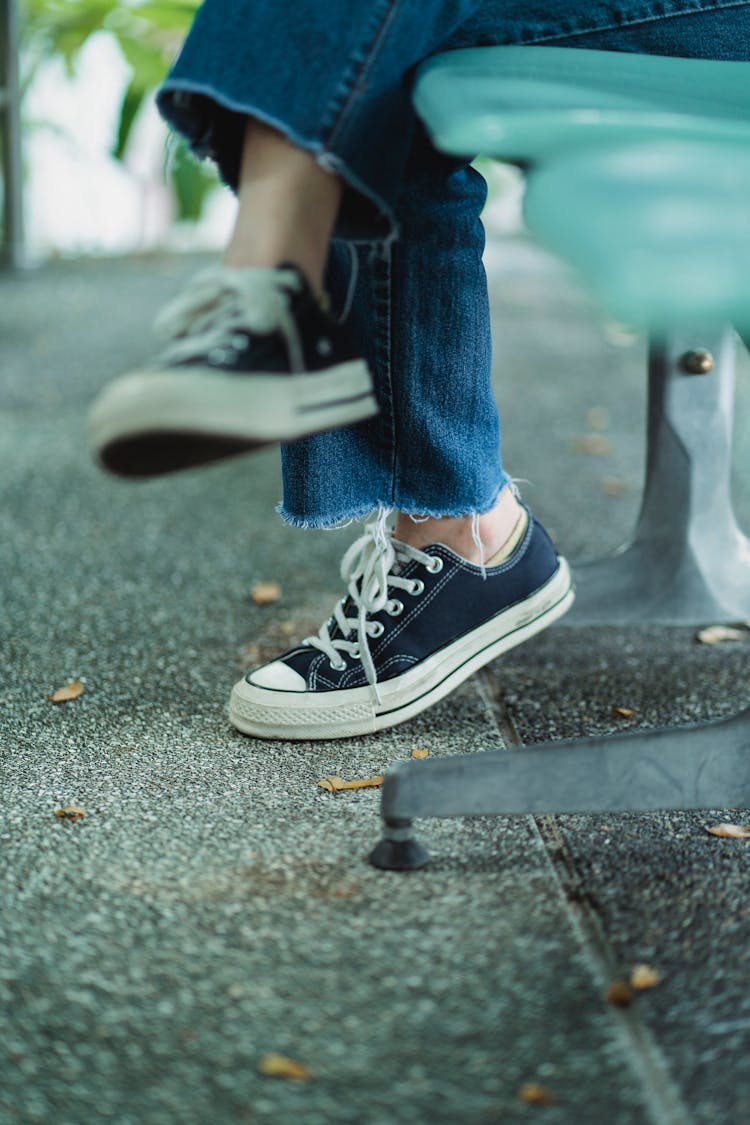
{"x":288,"y":715}
{"x":235,"y":410}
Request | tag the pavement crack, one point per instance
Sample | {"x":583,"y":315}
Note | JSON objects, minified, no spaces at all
{"x":567,"y":873}
{"x":661,"y":1096}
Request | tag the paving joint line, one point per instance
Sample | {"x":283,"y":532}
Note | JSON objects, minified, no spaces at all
{"x":662,"y":1097}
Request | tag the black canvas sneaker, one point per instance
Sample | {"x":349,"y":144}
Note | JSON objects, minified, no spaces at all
{"x":251,"y":358}
{"x":414,"y":625}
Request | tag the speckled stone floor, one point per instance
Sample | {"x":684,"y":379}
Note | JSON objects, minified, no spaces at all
{"x":214,"y":904}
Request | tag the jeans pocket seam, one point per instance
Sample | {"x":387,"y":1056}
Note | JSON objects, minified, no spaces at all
{"x":359,"y":67}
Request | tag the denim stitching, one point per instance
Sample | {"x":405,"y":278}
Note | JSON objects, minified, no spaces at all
{"x":388,"y":373}
{"x":312,"y":670}
{"x":696,"y":9}
{"x":400,"y":658}
{"x":338,"y":114}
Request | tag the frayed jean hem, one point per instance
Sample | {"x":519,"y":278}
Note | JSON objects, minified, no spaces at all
{"x":417,"y":512}
{"x":174,"y":104}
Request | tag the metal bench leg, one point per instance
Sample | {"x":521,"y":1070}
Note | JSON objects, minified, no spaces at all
{"x":11,"y":249}
{"x":688,"y":562}
{"x":705,"y":766}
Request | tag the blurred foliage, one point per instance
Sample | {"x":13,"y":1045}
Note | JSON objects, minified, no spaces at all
{"x":149,"y":34}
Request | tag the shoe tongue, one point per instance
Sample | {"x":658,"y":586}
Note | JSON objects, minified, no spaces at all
{"x":351,"y":613}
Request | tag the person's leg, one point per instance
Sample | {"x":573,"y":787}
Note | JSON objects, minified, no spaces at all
{"x":479,"y":541}
{"x":467,"y":572}
{"x":343,"y":109}
{"x":333,"y":477}
{"x":401,"y":331}
{"x":306,"y":136}
{"x":251,"y":356}
{"x":354,"y":126}
{"x":421,"y":313}
{"x":297,"y":199}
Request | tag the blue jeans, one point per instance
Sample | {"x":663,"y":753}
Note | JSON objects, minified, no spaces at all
{"x":406,"y":265}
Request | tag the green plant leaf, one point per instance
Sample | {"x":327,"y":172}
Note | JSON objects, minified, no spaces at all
{"x":146,"y":61}
{"x":148,"y":33}
{"x":191,"y":182}
{"x":132,"y":101}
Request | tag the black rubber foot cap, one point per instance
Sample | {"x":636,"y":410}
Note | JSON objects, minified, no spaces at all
{"x":399,"y":855}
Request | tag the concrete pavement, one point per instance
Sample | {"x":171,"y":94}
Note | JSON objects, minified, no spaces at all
{"x":214,"y":904}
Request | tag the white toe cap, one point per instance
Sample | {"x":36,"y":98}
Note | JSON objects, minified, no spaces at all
{"x":278,"y":676}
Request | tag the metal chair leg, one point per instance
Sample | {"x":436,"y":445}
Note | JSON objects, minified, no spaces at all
{"x":11,"y":249}
{"x":687,"y":562}
{"x":694,"y":767}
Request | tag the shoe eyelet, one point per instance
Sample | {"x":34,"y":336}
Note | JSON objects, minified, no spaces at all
{"x":394,"y":608}
{"x":435,"y":566}
{"x":338,"y":667}
{"x":377,"y":628}
{"x":417,"y":587}
{"x":217,"y":356}
{"x":356,"y":654}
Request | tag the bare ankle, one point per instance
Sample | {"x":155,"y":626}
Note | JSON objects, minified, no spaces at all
{"x":287,"y":206}
{"x":493,"y":529}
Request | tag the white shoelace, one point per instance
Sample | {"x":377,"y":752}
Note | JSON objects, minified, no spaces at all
{"x":219,"y":303}
{"x":369,"y":568}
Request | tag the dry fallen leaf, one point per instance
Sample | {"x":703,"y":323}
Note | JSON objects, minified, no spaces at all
{"x":344,"y":891}
{"x":620,"y":993}
{"x":420,"y":754}
{"x":613,"y":486}
{"x":71,"y":812}
{"x":597,"y":418}
{"x":623,"y":712}
{"x":644,"y":976}
{"x":595,"y":445}
{"x":334,"y":784}
{"x":734,"y":831}
{"x":279,"y":1066}
{"x":331,"y":784}
{"x":264,"y":593}
{"x":74,"y":690}
{"x":533,"y":1093}
{"x":718,"y":634}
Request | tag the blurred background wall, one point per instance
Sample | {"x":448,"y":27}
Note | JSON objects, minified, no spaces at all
{"x":101,"y":174}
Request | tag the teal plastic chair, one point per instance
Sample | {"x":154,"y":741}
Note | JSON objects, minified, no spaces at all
{"x":638,"y":175}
